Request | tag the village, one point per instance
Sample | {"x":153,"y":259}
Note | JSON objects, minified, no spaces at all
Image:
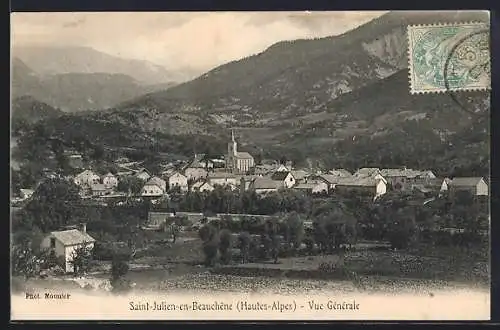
{"x":238,"y":173}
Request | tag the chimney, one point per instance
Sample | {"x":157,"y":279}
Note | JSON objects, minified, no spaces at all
{"x":83,"y":227}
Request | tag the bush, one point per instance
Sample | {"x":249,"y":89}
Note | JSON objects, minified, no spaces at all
{"x":119,"y":268}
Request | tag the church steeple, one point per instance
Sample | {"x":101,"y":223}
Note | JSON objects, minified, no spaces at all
{"x":232,"y":145}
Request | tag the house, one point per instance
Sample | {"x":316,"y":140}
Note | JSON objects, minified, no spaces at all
{"x":403,"y":179}
{"x":246,"y":180}
{"x":319,"y":187}
{"x":100,"y":189}
{"x":330,"y":179}
{"x":237,"y":161}
{"x":159,"y":182}
{"x":367,"y":171}
{"x":109,"y":180}
{"x":176,"y":179}
{"x":202,"y":186}
{"x":195,"y":173}
{"x":432,"y":186}
{"x":264,"y":169}
{"x":200,"y":161}
{"x":286,"y":178}
{"x":370,"y":185}
{"x":263,"y":185}
{"x":221,"y":179}
{"x":142,"y":174}
{"x":26,"y":193}
{"x":477,"y":186}
{"x":370,"y":172}
{"x":340,"y":172}
{"x":282,"y":168}
{"x":152,"y":189}
{"x":87,"y":178}
{"x":62,"y":244}
{"x":300,"y":175}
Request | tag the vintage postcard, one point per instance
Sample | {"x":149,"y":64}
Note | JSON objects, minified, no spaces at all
{"x":250,"y":166}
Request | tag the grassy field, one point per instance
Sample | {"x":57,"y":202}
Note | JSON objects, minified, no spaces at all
{"x":168,"y":266}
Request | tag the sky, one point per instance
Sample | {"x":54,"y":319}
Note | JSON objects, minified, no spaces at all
{"x":200,"y":40}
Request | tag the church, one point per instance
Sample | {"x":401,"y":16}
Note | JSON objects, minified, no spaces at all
{"x":237,"y":161}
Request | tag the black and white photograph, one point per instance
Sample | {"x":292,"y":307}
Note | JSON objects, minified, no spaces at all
{"x":303,"y":165}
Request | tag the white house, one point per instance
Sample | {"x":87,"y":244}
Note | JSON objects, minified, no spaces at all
{"x":88,"y":178}
{"x":222,"y":179}
{"x":195,"y":173}
{"x":202,"y":186}
{"x":405,"y":178}
{"x":159,"y":182}
{"x":286,"y":178}
{"x":373,"y":186}
{"x":100,"y":189}
{"x":26,"y":193}
{"x":143,"y":175}
{"x":152,"y":190}
{"x":315,"y":187}
{"x":110,"y":181}
{"x":282,"y":168}
{"x":263,"y":185}
{"x":475,"y":185}
{"x":300,"y":176}
{"x":63,"y":244}
{"x":178,"y":180}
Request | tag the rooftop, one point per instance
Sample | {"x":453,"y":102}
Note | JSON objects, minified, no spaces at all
{"x":358,"y":182}
{"x":466,"y":181}
{"x":266,"y":183}
{"x":221,"y":175}
{"x":243,"y":155}
{"x":279,"y":176}
{"x":72,"y":237}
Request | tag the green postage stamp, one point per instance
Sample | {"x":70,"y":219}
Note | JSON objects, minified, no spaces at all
{"x":449,"y":57}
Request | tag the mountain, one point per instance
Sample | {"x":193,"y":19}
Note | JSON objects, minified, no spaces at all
{"x":60,"y":60}
{"x":298,"y":77}
{"x":343,"y":99}
{"x":74,"y":92}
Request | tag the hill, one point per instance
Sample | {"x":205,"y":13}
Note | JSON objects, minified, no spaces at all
{"x":72,"y":92}
{"x":27,"y":110}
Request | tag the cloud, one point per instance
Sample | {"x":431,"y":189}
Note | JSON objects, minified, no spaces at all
{"x":199,"y":40}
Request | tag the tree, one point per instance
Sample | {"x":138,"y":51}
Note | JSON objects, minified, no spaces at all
{"x":119,"y":268}
{"x":25,"y":261}
{"x":244,"y":244}
{"x":81,"y":259}
{"x":402,"y":231}
{"x":131,"y":185}
{"x":209,"y":236}
{"x":294,"y":230}
{"x":54,"y":203}
{"x":225,"y":245}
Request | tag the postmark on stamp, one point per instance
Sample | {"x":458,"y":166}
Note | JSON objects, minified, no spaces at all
{"x":449,"y":57}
